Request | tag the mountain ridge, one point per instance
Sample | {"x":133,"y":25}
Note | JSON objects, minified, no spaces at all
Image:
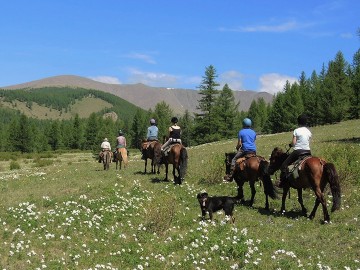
{"x":141,"y":95}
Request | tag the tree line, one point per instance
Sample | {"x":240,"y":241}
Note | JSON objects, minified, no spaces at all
{"x":330,"y":96}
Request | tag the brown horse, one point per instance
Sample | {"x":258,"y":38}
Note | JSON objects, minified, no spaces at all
{"x":149,"y":149}
{"x":120,"y":157}
{"x":314,"y":173}
{"x":106,"y":159}
{"x":178,"y":157}
{"x":251,"y":168}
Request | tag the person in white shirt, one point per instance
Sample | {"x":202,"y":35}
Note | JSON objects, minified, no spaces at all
{"x":105,"y":146}
{"x":301,"y":143}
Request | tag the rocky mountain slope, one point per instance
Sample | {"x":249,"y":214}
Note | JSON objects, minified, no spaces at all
{"x":142,"y":95}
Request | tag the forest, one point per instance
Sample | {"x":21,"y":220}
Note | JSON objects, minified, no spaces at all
{"x":329,"y":96}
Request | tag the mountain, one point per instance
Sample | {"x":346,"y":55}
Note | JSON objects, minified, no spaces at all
{"x":141,"y":95}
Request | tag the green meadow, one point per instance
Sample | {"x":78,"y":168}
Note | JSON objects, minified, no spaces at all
{"x":63,"y":211}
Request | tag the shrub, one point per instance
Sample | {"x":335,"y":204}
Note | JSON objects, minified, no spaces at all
{"x":14,"y":165}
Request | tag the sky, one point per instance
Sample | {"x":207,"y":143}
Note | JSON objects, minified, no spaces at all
{"x":253,"y":45}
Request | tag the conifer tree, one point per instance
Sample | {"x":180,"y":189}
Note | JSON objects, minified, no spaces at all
{"x":226,"y":111}
{"x":355,"y":83}
{"x":204,"y":124}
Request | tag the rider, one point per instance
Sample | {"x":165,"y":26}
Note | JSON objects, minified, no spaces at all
{"x":120,"y":141}
{"x":174,"y":135}
{"x":105,"y":146}
{"x":300,"y":142}
{"x":245,"y":145}
{"x":152,"y":134}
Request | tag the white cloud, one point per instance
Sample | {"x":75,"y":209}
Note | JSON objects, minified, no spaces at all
{"x":233,"y":79}
{"x":152,"y":78}
{"x":346,"y":35}
{"x":274,"y":82}
{"x":143,"y":57}
{"x":106,"y":79}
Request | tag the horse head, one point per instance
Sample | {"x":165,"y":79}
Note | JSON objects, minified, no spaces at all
{"x":277,"y":157}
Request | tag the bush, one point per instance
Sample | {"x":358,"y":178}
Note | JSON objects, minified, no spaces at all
{"x":14,"y":165}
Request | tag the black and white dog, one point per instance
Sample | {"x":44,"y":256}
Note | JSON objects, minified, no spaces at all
{"x":213,"y":204}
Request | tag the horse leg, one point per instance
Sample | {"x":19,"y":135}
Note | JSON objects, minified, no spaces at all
{"x":320,"y":199}
{"x":253,"y":192}
{"x":300,"y":200}
{"x":240,"y":195}
{"x":174,"y":174}
{"x":179,"y":175}
{"x":166,"y":172}
{"x":145,"y":165}
{"x":283,"y":199}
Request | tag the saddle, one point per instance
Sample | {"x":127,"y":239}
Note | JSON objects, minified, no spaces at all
{"x":294,"y":168}
{"x":241,"y":161}
{"x":168,"y":148}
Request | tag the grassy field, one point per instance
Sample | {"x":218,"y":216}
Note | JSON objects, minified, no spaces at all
{"x":62,"y":211}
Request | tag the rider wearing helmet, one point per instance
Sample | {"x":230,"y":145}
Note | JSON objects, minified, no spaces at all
{"x":152,"y":135}
{"x":174,"y":135}
{"x":152,"y":131}
{"x":246,"y":144}
{"x":301,"y":143}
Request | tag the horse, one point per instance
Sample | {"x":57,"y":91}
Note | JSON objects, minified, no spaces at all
{"x":121,"y":156}
{"x":106,"y":159}
{"x":251,"y":168}
{"x":178,"y":157}
{"x":149,"y":149}
{"x":314,"y":173}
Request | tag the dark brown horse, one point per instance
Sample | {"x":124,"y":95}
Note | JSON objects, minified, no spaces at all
{"x":149,"y":150}
{"x":314,"y":173}
{"x":177,"y":156}
{"x":251,"y":168}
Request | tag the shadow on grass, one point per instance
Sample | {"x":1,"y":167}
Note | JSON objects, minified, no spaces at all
{"x":155,"y":180}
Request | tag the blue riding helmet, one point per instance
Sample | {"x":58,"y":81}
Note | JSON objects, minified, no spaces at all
{"x":247,"y":122}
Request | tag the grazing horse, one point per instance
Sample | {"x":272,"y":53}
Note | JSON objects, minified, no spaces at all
{"x":251,"y":168}
{"x":177,"y":156}
{"x":149,"y":150}
{"x":106,"y":159}
{"x":314,"y":173}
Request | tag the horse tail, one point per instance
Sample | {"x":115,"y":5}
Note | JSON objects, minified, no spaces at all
{"x":333,"y":178}
{"x":184,"y":159}
{"x":266,"y":179}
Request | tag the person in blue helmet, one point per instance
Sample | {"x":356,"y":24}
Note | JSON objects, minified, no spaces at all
{"x":245,"y":145}
{"x":152,"y":131}
{"x":151,"y":135}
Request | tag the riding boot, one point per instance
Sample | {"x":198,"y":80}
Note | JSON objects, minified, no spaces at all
{"x":114,"y":156}
{"x":100,"y":159}
{"x":229,"y":177}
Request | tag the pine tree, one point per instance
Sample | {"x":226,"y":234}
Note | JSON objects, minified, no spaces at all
{"x":226,"y":111}
{"x":355,"y":83}
{"x":186,"y":124}
{"x":163,"y":114}
{"x":138,"y":128}
{"x":204,"y":125}
{"x":92,"y":132}
{"x":335,"y":94}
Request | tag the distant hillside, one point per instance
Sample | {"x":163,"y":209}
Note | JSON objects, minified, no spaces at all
{"x":65,"y":103}
{"x":143,"y":96}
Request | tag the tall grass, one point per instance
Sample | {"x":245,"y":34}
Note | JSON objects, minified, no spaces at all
{"x":71,"y":214}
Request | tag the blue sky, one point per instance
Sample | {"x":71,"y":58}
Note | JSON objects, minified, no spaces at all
{"x":253,"y":45}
